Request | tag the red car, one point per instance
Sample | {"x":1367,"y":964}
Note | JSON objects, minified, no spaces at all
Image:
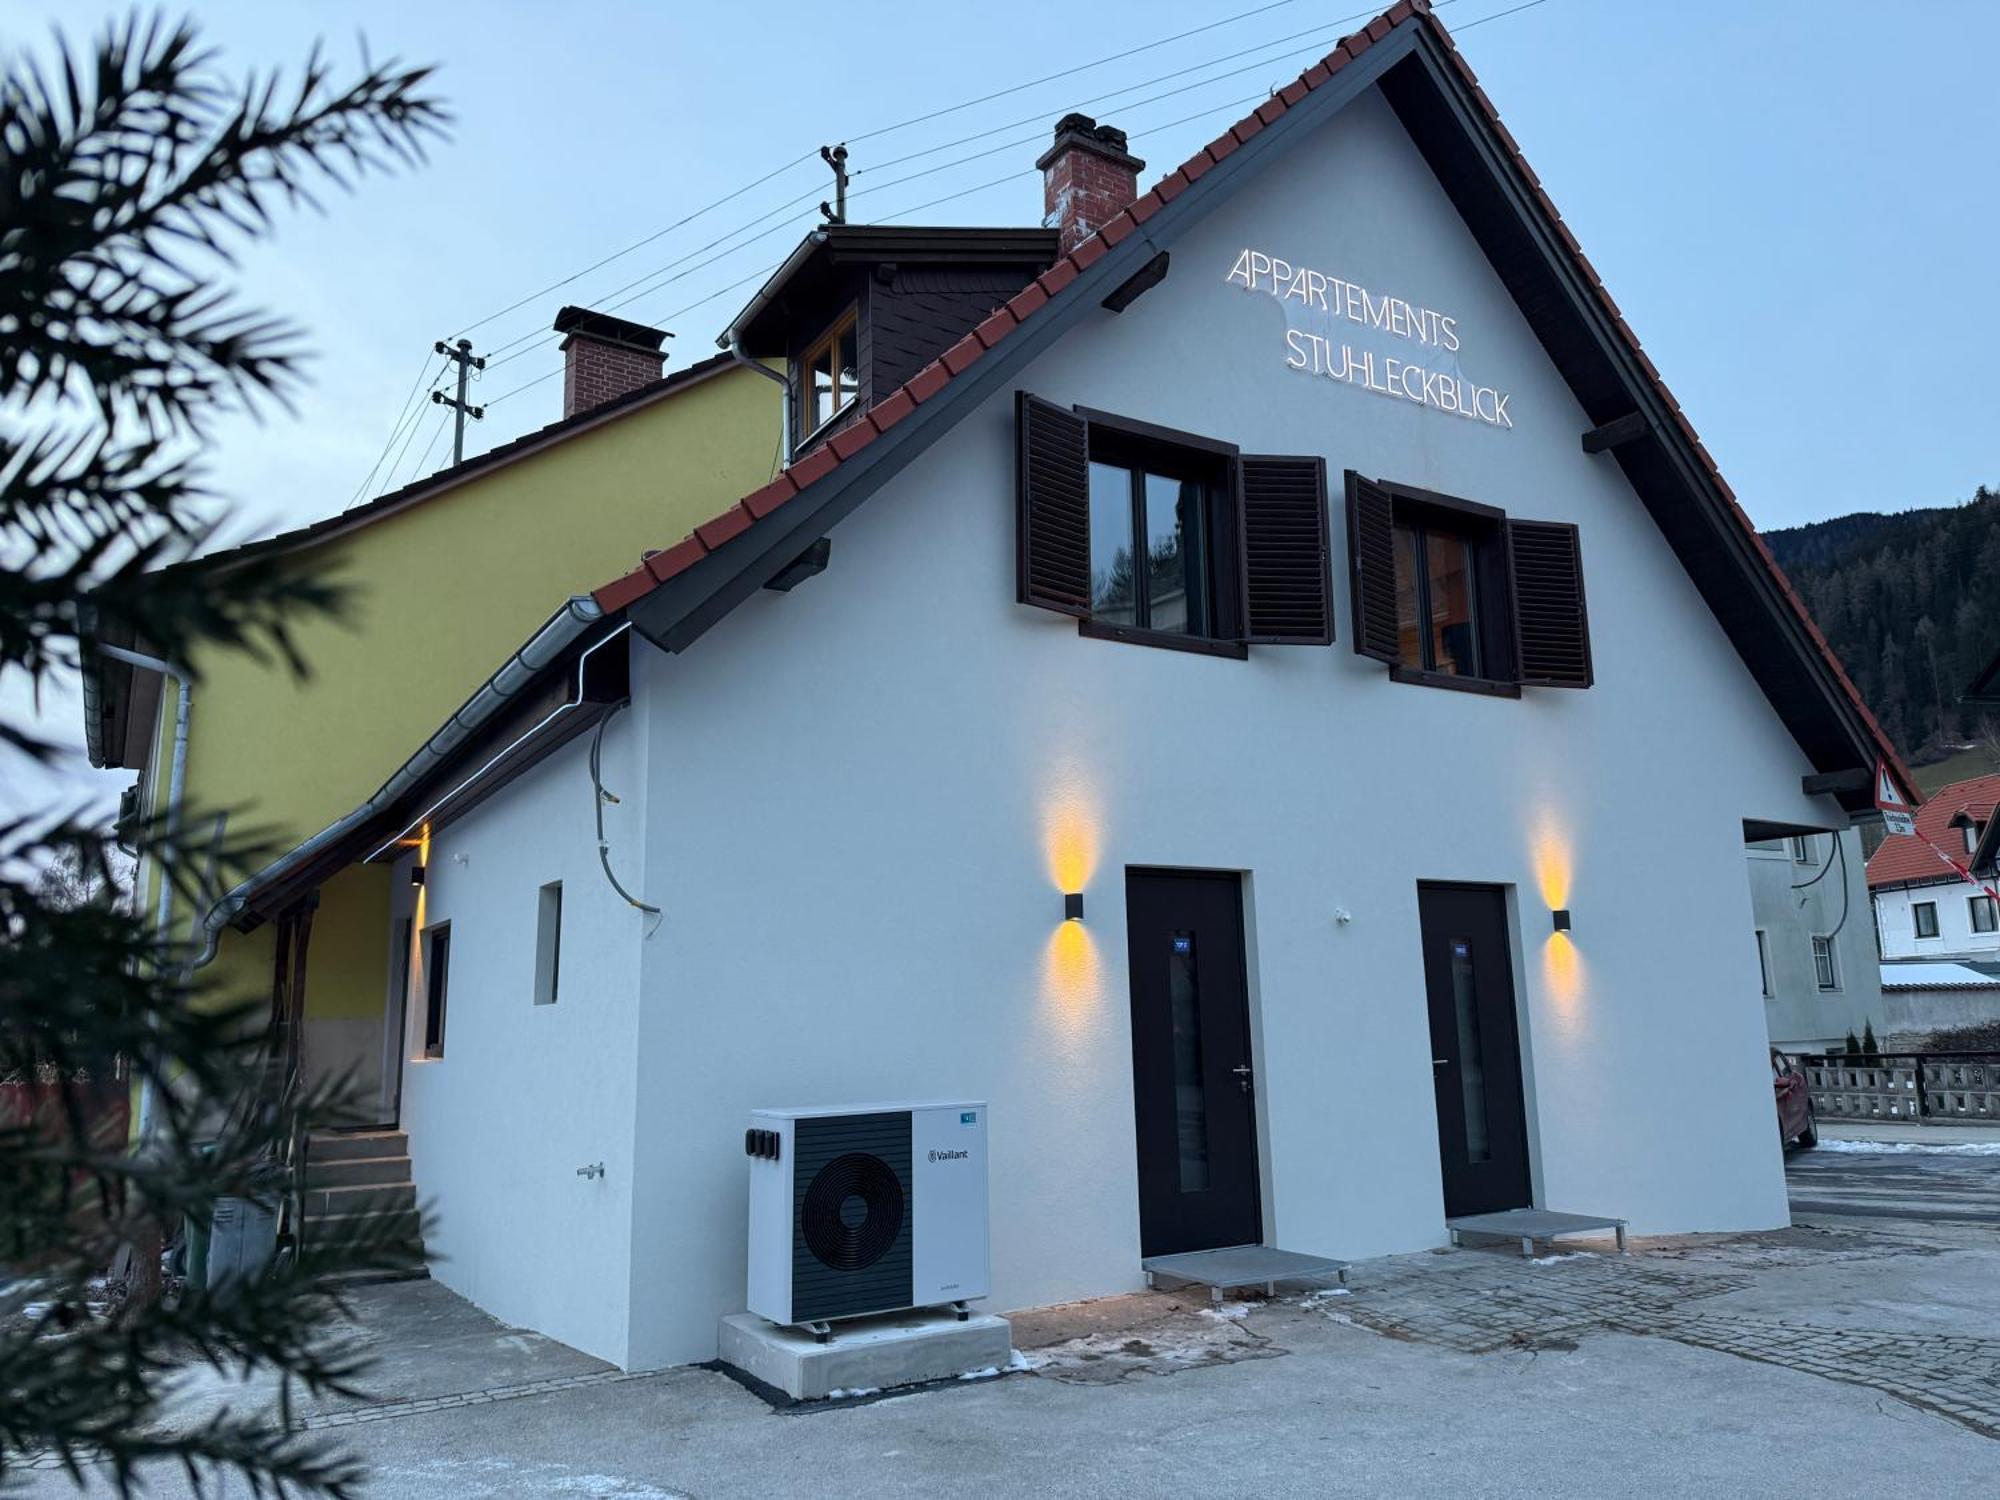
{"x":1795,"y":1111}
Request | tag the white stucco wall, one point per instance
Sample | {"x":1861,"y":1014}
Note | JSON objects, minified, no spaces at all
{"x":860,"y":792}
{"x":1790,"y":902}
{"x":525,"y":1093}
{"x":1896,"y":918}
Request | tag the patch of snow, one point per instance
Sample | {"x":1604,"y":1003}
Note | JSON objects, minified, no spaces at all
{"x":1228,"y":1312}
{"x":1912,"y":1148}
{"x":986,"y":1374}
{"x":1325,"y":1292}
{"x":844,"y":1394}
{"x":1017,"y":1360}
{"x":1550,"y":1260}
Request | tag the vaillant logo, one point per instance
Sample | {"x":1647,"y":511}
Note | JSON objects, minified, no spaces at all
{"x":949,"y":1155}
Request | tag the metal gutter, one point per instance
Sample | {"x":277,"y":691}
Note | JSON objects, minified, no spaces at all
{"x":732,"y":336}
{"x":565,"y":629}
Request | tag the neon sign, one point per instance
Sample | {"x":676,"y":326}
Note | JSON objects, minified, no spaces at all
{"x":1319,"y":305}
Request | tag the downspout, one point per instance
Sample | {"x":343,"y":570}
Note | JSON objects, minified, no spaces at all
{"x":176,"y":784}
{"x":734,"y":348}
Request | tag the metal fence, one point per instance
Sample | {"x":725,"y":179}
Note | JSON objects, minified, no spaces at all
{"x":1914,"y":1087}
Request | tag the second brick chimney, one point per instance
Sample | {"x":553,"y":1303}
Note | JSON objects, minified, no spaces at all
{"x":605,"y":357}
{"x":1087,"y":177}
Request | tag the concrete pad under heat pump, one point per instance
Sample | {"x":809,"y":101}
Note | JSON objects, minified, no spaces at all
{"x":866,"y":1355}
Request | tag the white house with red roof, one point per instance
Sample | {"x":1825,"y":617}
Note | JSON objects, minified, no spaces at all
{"x":1927,"y":904}
{"x":1273,"y":702}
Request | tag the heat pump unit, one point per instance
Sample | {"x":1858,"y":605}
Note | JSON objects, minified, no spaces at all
{"x":866,"y":1210}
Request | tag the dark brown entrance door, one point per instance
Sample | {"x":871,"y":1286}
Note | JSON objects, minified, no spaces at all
{"x":1475,"y":1049}
{"x":1191,"y":1081}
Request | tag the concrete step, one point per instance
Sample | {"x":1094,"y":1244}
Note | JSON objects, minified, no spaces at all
{"x":360,"y":1171}
{"x":353,"y":1145}
{"x":404,"y":1225}
{"x":371,"y":1198}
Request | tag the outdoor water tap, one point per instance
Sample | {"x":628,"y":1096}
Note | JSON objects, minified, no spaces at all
{"x":595,"y":1169}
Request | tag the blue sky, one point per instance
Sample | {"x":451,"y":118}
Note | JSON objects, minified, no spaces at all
{"x":1792,"y":200}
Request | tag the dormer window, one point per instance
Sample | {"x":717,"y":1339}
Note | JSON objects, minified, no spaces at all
{"x":829,"y":374}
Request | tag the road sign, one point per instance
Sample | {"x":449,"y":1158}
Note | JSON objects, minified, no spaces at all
{"x":1896,"y":816}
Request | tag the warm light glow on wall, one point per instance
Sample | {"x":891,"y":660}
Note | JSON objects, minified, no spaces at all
{"x":1072,"y":975}
{"x":1550,"y":847}
{"x":1069,"y":838}
{"x":1562,"y":969}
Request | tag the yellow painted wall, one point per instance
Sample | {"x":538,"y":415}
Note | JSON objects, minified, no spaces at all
{"x":444,"y":592}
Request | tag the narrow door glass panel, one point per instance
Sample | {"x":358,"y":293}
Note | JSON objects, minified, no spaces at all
{"x":1471,"y":1055}
{"x":1454,"y":640}
{"x":1190,"y":1099}
{"x":1177,"y":564}
{"x":1114,"y":591}
{"x":1409,"y":632}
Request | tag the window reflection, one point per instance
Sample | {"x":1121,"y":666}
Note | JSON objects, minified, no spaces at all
{"x":1190,"y":1099}
{"x":1437,"y":606}
{"x":1164,"y":519}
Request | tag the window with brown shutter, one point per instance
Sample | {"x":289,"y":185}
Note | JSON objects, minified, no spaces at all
{"x":1371,"y":564}
{"x":1287,"y":576}
{"x":1053,"y":500}
{"x":1167,"y":538}
{"x":1551,"y":629}
{"x":1452,"y":593}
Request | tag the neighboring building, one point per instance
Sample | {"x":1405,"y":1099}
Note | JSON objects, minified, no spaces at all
{"x":1926,"y":907}
{"x":1001,"y":749}
{"x":448,"y":574}
{"x":1816,"y":959}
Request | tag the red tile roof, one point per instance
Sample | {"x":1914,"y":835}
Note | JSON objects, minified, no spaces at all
{"x":1902,"y":859}
{"x":624,"y":591}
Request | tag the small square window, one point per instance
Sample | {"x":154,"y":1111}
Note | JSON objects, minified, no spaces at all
{"x":1984,"y":918}
{"x":1802,"y":851}
{"x":437,"y":974}
{"x":548,"y":942}
{"x":1924,"y":913}
{"x":1823,"y":963}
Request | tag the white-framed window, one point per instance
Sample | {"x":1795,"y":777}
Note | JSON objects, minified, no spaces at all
{"x":1971,"y":837}
{"x":1764,"y":961}
{"x":1981,"y":910}
{"x":1802,"y":850}
{"x":1923,"y":916}
{"x":1824,"y":968}
{"x":548,"y":942}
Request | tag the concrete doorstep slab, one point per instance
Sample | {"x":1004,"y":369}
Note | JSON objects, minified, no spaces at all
{"x":866,"y":1355}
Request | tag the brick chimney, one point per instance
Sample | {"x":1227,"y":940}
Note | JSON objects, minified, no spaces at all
{"x":1087,"y":177}
{"x":605,"y":357}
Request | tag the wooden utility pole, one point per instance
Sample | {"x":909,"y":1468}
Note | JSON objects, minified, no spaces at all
{"x":461,"y":355}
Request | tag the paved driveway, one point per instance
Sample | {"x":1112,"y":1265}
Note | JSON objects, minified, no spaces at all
{"x":1840,"y":1356}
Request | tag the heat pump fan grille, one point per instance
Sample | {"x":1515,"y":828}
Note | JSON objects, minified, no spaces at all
{"x":853,"y":1211}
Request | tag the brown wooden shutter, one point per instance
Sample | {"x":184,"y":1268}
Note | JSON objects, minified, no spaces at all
{"x":1052,"y":496}
{"x":1281,"y":530}
{"x":1551,"y":629}
{"x":1371,"y":564}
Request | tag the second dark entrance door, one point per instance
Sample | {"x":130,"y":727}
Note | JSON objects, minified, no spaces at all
{"x":1191,"y":1079}
{"x":1475,"y":1049}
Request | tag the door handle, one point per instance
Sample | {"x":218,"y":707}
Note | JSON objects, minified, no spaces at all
{"x":1439,"y":1062}
{"x":1242,"y":1073}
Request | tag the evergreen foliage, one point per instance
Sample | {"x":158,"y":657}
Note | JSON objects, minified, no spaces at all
{"x":130,"y":168}
{"x":1911,"y":604}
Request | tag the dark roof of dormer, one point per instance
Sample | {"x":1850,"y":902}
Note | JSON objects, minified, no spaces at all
{"x":817,"y":272}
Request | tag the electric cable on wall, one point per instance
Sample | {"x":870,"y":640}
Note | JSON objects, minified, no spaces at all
{"x":599,"y":796}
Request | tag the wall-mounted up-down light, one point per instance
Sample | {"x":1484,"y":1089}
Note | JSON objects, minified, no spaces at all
{"x":416,"y":874}
{"x":1073,"y":906}
{"x":1562,"y":919}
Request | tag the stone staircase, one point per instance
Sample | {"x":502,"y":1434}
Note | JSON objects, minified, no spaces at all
{"x":360,"y":1180}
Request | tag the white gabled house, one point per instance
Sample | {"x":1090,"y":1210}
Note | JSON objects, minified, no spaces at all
{"x":1260,"y":684}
